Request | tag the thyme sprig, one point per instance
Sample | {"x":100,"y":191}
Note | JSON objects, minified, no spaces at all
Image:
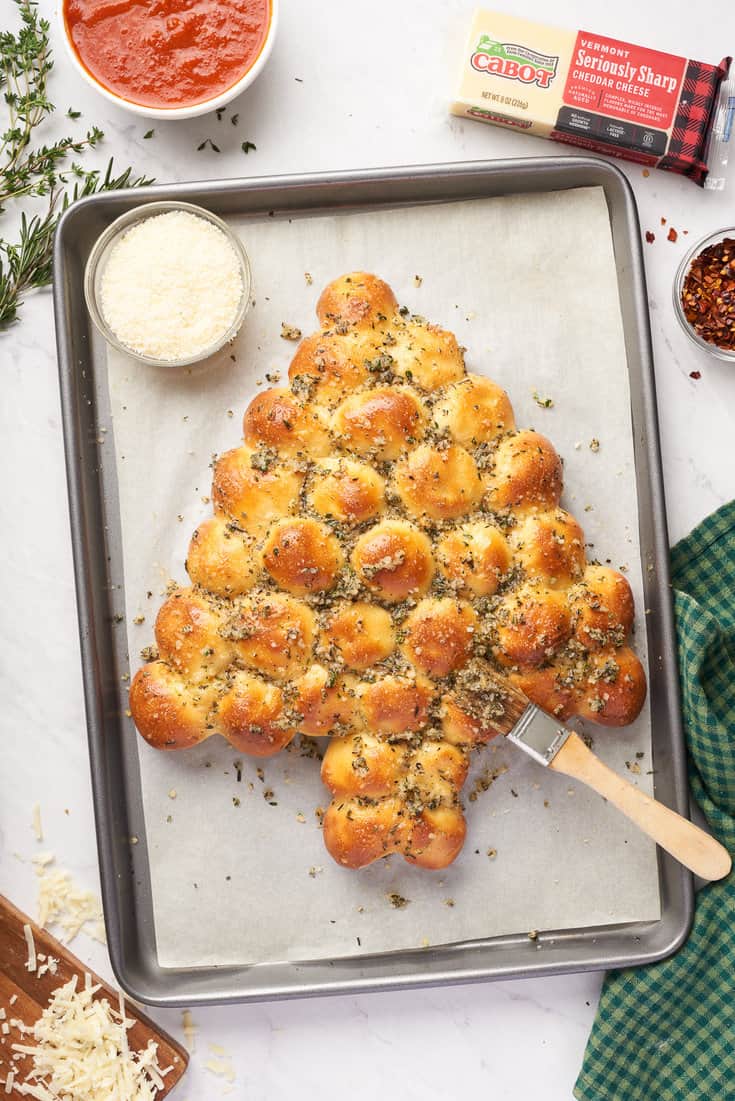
{"x":30,"y":171}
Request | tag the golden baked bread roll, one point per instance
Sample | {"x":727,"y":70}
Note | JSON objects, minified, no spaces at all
{"x":382,"y":539}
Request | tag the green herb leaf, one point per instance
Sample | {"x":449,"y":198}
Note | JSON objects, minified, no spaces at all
{"x":247,"y":146}
{"x":148,"y":134}
{"x":545,"y":403}
{"x":37,"y":171}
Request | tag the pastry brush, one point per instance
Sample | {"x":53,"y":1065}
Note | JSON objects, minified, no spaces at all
{"x":550,"y":744}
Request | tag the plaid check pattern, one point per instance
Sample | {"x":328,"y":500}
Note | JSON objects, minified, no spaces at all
{"x":687,"y":148}
{"x":667,"y":1032}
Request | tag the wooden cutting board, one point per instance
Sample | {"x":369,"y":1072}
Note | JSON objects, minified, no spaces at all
{"x":32,"y":995}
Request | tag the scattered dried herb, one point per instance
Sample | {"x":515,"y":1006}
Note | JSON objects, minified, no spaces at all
{"x":398,"y":902}
{"x":545,"y":403}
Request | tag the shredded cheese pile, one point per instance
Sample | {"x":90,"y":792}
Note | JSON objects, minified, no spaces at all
{"x":81,"y":1052}
{"x":65,"y":905}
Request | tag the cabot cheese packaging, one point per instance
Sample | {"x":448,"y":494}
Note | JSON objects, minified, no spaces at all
{"x":598,"y":93}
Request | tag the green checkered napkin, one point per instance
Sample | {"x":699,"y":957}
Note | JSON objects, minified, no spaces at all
{"x":667,"y":1032}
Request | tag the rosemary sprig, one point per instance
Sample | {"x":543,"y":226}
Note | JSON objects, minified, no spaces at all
{"x":38,"y":172}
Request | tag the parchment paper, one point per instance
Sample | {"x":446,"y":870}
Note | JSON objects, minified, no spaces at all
{"x":239,"y":872}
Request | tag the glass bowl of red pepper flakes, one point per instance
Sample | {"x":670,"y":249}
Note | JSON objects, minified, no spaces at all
{"x":704,"y":294}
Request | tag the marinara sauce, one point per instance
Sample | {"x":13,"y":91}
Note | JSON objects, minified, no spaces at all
{"x":167,"y":53}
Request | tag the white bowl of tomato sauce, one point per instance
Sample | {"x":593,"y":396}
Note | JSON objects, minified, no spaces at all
{"x":169,"y":59}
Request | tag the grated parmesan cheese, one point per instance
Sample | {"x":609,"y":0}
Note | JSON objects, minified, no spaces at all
{"x":171,"y":287}
{"x":81,"y":1051}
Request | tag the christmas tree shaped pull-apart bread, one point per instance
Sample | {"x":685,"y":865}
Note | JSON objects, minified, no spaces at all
{"x":383,"y":538}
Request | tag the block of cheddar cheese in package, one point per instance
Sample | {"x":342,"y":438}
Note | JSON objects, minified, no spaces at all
{"x":601,"y":94}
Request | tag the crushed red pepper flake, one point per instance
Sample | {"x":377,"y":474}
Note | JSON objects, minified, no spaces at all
{"x":650,"y":237}
{"x":672,"y":235}
{"x":708,"y":294}
{"x":695,"y":374}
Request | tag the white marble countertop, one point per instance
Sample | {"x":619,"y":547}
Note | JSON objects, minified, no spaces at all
{"x":349,"y":86}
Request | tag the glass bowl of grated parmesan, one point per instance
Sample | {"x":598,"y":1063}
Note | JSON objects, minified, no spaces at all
{"x":168,"y":284}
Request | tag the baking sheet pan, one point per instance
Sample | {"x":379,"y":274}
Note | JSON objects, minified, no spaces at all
{"x":95,"y":514}
{"x":229,"y":859}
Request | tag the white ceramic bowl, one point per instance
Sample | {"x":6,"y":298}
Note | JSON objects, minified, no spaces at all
{"x":195,"y":109}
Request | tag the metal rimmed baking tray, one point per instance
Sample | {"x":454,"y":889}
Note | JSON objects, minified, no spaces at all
{"x":97,"y":547}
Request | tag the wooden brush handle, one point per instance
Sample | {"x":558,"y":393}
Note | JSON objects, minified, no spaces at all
{"x":691,"y":846}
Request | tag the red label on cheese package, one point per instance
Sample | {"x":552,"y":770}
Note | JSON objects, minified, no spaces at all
{"x":599,"y":93}
{"x":628,"y":82}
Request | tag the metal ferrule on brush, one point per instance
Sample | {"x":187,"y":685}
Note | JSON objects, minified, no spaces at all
{"x":538,"y":734}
